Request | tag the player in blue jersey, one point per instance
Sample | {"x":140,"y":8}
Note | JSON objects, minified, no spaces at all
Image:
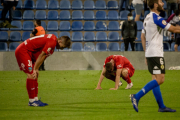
{"x":152,"y":41}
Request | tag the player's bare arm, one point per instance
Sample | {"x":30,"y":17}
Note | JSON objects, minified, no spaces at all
{"x":118,"y":73}
{"x":174,"y":29}
{"x":143,"y":40}
{"x":101,"y":79}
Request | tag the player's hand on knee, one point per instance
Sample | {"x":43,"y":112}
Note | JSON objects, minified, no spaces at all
{"x":35,"y":74}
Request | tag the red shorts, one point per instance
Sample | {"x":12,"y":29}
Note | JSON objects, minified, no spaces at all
{"x":130,"y":71}
{"x":24,"y":59}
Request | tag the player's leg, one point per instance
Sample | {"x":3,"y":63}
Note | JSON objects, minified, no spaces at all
{"x":126,"y":77}
{"x":113,"y":78}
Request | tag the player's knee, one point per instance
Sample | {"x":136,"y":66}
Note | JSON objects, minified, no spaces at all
{"x":160,"y":79}
{"x":124,"y":72}
{"x":30,"y":76}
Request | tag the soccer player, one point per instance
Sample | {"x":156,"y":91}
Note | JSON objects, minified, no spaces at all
{"x":152,"y":41}
{"x":117,"y":66}
{"x":30,"y":55}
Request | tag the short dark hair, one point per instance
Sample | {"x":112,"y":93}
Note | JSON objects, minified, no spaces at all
{"x":66,"y":41}
{"x":130,"y":14}
{"x":108,"y":68}
{"x":38,"y":22}
{"x":177,"y":12}
{"x":151,"y":3}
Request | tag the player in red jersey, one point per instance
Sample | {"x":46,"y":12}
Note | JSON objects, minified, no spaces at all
{"x":117,"y":66}
{"x":30,"y":55}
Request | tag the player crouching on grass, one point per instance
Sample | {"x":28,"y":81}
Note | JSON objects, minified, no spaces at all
{"x":117,"y":66}
{"x":30,"y":55}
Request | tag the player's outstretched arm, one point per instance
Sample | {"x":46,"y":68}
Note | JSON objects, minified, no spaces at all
{"x":118,"y":73}
{"x":143,"y":40}
{"x":174,"y":29}
{"x":101,"y":79}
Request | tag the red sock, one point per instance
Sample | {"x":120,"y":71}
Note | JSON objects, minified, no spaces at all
{"x":128,"y":80}
{"x":36,"y":87}
{"x":30,"y":88}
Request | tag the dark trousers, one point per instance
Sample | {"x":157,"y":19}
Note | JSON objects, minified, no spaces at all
{"x":171,"y":7}
{"x":121,"y":4}
{"x":127,"y":41}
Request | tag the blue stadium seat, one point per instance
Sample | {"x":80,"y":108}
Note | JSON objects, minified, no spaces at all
{"x":17,"y":15}
{"x":40,"y":14}
{"x":89,"y":5}
{"x":77,"y":26}
{"x":100,"y":5}
{"x":139,"y":25}
{"x":77,"y":15}
{"x":101,"y":15}
{"x":101,"y":36}
{"x":101,"y":26}
{"x":113,"y":36}
{"x":113,"y":15}
{"x":134,"y":15}
{"x":89,"y":26}
{"x":52,"y":15}
{"x":146,"y":13}
{"x":43,"y":24}
{"x":112,"y":5}
{"x":138,"y":36}
{"x":77,"y":47}
{"x":113,"y":26}
{"x":89,"y":15}
{"x":172,"y":47}
{"x":124,"y":14}
{"x":52,"y":26}
{"x":28,"y":25}
{"x":65,"y":5}
{"x":89,"y":47}
{"x":77,"y":5}
{"x":29,"y":4}
{"x":89,"y":37}
{"x":54,"y":33}
{"x":65,"y":50}
{"x":123,"y":47}
{"x":166,"y":47}
{"x":64,"y":34}
{"x":28,"y":15}
{"x":77,"y":37}
{"x":3,"y":46}
{"x":65,"y":15}
{"x":4,"y":36}
{"x":26,"y":35}
{"x":15,"y":36}
{"x":113,"y":46}
{"x":13,"y":46}
{"x":19,"y":5}
{"x":53,"y":5}
{"x":101,"y":47}
{"x":17,"y":24}
{"x":41,"y":4}
{"x":138,"y":47}
{"x":64,"y":26}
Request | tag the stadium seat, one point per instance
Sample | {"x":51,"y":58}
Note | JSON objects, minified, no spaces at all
{"x":138,"y":36}
{"x":101,"y":15}
{"x":52,"y":15}
{"x":113,"y":26}
{"x":166,"y":47}
{"x":41,"y":4}
{"x":28,"y":25}
{"x":89,"y":47}
{"x":26,"y":35}
{"x":65,"y":50}
{"x":113,"y":15}
{"x":101,"y":36}
{"x":89,"y":37}
{"x":146,"y":13}
{"x":89,"y":26}
{"x":13,"y":46}
{"x":124,"y":14}
{"x":43,"y":24}
{"x":29,"y":4}
{"x":54,"y":33}
{"x":89,"y":5}
{"x":53,"y":5}
{"x":101,"y":47}
{"x":172,"y":47}
{"x":28,"y":15}
{"x":113,"y":46}
{"x":15,"y":37}
{"x":77,"y":26}
{"x":89,"y":15}
{"x":3,"y":46}
{"x":139,"y":25}
{"x":77,"y":15}
{"x":64,"y":34}
{"x":123,"y":47}
{"x":17,"y":24}
{"x":65,"y":15}
{"x":65,"y":5}
{"x":112,"y":5}
{"x":77,"y":47}
{"x":77,"y":5}
{"x":40,"y":14}
{"x":101,"y":26}
{"x":17,"y":15}
{"x":134,"y":15}
{"x":77,"y":37}
{"x":4,"y":36}
{"x":52,"y":26}
{"x":19,"y":5}
{"x":113,"y":36}
{"x":64,"y":26}
{"x":138,"y":47}
{"x":100,"y":5}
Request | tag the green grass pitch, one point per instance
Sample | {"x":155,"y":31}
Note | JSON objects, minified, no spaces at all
{"x":71,"y":96}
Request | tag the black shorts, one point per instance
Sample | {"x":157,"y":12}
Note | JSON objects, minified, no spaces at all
{"x":156,"y":65}
{"x":177,"y":41}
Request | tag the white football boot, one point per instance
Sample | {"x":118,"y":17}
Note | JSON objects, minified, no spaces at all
{"x":129,"y":86}
{"x":120,"y":84}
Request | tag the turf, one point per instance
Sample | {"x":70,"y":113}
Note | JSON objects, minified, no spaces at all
{"x":71,"y":96}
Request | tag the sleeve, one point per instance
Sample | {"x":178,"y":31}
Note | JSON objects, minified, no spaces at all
{"x":49,"y":48}
{"x":161,"y":22}
{"x":119,"y":63}
{"x":34,"y":32}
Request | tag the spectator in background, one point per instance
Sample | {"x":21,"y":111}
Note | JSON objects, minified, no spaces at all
{"x":129,"y":32}
{"x":121,"y":5}
{"x":174,"y":18}
{"x":177,"y":40}
{"x":138,"y":6}
{"x":172,"y":6}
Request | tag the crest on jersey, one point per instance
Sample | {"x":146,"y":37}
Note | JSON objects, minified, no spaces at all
{"x":30,"y":69}
{"x":162,"y":67}
{"x":49,"y":49}
{"x":164,"y":22}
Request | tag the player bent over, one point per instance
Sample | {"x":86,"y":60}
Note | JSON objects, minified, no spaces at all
{"x":30,"y":55}
{"x":117,"y":66}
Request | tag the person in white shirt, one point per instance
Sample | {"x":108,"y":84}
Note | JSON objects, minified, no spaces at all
{"x":138,"y":6}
